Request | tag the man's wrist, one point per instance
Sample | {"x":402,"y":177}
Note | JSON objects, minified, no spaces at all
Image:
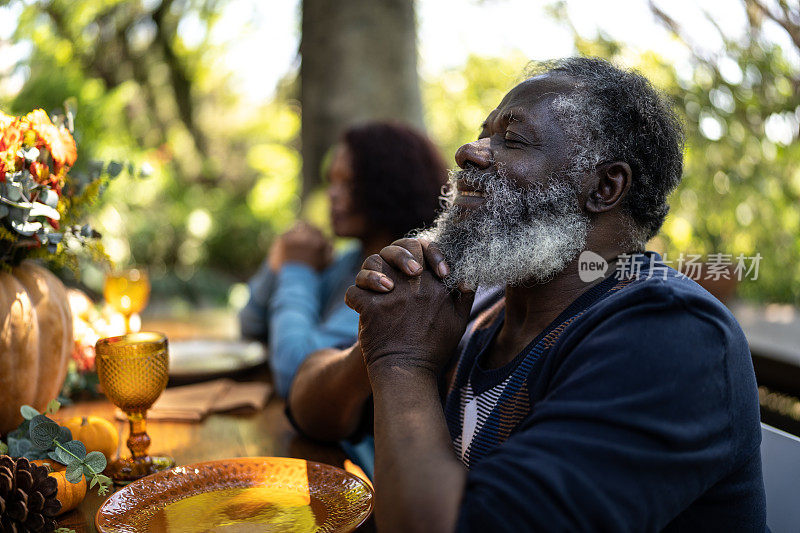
{"x":388,"y":370}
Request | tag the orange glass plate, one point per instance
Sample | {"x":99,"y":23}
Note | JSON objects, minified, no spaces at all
{"x":246,"y":494}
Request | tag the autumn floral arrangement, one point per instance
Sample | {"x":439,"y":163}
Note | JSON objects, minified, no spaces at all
{"x":41,"y":201}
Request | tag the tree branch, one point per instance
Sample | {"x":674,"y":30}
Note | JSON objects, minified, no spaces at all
{"x":91,"y":62}
{"x":783,"y":19}
{"x":179,"y":79}
{"x":673,"y":26}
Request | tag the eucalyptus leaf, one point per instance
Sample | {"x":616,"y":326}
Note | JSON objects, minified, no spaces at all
{"x":114,"y":168}
{"x":96,"y":461}
{"x":18,"y":447}
{"x":87,"y":232}
{"x":43,"y":431}
{"x":37,"y":420}
{"x":55,"y":238}
{"x":105,"y":480}
{"x":42,"y":210}
{"x":3,"y":448}
{"x":48,"y":197}
{"x":26,"y":228}
{"x":64,"y":435}
{"x":28,"y":412}
{"x":74,"y":472}
{"x":69,"y":113}
{"x":13,"y":191}
{"x":93,"y":482}
{"x":34,"y":454}
{"x":22,"y":431}
{"x":53,"y":406}
{"x":74,"y":447}
{"x":53,"y":456}
{"x":27,"y":181}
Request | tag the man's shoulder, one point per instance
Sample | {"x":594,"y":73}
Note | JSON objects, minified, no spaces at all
{"x":665,"y":298}
{"x":670,"y":323}
{"x":669,"y":328}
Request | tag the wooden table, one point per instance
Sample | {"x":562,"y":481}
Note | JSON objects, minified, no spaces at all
{"x":219,"y":436}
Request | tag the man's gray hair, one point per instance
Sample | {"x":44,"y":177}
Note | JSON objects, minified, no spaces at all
{"x":613,"y":114}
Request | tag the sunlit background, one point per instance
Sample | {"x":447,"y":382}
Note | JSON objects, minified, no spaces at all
{"x":206,"y":93}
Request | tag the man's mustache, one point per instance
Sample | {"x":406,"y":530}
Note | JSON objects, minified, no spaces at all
{"x":476,"y":177}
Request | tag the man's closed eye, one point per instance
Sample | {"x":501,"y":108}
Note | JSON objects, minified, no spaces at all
{"x":511,"y":139}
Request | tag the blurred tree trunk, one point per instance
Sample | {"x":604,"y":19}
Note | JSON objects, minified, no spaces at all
{"x":359,"y":62}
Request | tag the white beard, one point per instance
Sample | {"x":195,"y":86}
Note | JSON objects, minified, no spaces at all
{"x":517,"y":236}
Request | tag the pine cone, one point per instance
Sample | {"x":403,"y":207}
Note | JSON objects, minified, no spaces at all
{"x":27,"y":497}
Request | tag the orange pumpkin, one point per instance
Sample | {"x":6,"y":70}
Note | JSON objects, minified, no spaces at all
{"x":35,"y":340}
{"x":69,"y":494}
{"x":96,"y":433}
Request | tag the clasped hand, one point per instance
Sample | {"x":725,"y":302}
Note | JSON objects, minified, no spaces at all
{"x":408,"y":318}
{"x":302,"y":244}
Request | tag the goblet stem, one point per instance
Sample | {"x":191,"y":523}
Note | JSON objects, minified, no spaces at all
{"x":139,"y":440}
{"x":127,"y":317}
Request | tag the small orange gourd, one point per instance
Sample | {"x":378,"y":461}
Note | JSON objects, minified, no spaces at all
{"x":69,"y":494}
{"x":96,"y":433}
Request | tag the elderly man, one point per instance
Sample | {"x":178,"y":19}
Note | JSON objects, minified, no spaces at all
{"x":619,"y":402}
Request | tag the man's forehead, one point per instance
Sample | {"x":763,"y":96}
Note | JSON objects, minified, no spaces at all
{"x":524,"y":99}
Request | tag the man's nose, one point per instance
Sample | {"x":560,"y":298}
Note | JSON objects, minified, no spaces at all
{"x":477,"y":153}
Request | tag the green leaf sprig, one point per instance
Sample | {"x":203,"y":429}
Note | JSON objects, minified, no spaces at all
{"x":39,"y":437}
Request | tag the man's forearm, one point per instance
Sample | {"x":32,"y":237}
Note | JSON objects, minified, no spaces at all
{"x":419,"y":481}
{"x":329,"y":393}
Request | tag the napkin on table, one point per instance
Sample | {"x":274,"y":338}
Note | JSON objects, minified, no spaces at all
{"x":191,"y":403}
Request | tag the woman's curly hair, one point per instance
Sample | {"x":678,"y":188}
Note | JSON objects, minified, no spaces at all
{"x":398,"y":176}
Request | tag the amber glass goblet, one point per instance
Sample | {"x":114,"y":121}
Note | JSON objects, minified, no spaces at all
{"x":133,"y":370}
{"x":127,"y":291}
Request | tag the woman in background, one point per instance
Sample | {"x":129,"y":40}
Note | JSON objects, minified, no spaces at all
{"x":385,"y":180}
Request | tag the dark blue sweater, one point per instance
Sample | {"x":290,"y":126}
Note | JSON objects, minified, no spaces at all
{"x":636,"y":410}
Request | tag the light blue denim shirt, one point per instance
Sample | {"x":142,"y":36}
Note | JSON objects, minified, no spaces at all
{"x":299,"y":311}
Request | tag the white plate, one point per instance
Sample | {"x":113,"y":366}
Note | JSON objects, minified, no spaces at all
{"x":205,"y":358}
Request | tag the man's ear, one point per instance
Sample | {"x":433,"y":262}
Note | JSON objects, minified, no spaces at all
{"x":611,"y":184}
